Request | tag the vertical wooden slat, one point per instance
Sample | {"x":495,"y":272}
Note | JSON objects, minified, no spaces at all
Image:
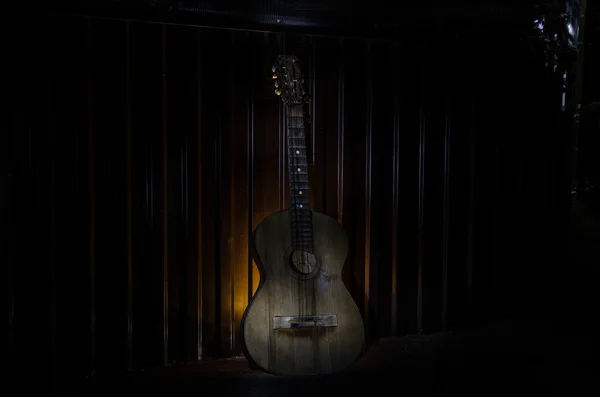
{"x":395,"y":201}
{"x":189,"y":253}
{"x":471,"y":215}
{"x":354,"y":170}
{"x":165,"y":258}
{"x":340,"y":132}
{"x":378,"y":188}
{"x":91,"y":197}
{"x":25,"y":289}
{"x":110,"y":188}
{"x":210,"y":208}
{"x":226,"y":200}
{"x":8,"y":203}
{"x":421,"y":198}
{"x":51,"y":149}
{"x":146,"y":138}
{"x":446,"y":216}
{"x":313,"y":93}
{"x":238,"y":143}
{"x":267,"y":183}
{"x":200,"y":235}
{"x":222,"y":275}
{"x":368,"y":177}
{"x":12,"y":158}
{"x":323,"y":174}
{"x":251,"y":173}
{"x":182,"y":132}
{"x":8,"y":146}
{"x":316,"y":139}
{"x":283,"y":191}
{"x":36,"y":271}
{"x":236,"y":187}
{"x":69,"y":113}
{"x":128,"y":199}
{"x":433,"y":197}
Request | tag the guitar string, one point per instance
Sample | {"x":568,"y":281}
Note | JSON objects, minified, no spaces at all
{"x":299,"y":215}
{"x":306,"y":226}
{"x":295,"y":214}
{"x":300,"y":211}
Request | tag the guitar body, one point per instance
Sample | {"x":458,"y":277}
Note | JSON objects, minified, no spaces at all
{"x":301,"y":324}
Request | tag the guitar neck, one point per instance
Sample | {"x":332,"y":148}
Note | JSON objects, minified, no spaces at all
{"x":298,"y":179}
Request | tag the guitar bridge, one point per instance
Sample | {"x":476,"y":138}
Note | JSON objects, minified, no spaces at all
{"x":306,"y":321}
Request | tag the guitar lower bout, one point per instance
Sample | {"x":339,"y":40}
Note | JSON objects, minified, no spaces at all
{"x":302,"y":320}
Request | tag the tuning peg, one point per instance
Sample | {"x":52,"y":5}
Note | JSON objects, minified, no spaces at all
{"x":277,"y":92}
{"x":274,"y":76}
{"x":276,"y":83}
{"x":273,"y":68}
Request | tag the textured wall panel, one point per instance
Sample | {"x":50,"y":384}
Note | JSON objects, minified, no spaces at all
{"x":143,"y":155}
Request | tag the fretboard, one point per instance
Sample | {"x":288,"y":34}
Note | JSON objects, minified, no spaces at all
{"x":302,"y":236}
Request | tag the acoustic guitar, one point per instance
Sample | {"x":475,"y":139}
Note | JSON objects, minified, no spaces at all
{"x":302,"y":320}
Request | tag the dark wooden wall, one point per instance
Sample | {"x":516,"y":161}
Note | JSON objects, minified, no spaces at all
{"x":141,"y":156}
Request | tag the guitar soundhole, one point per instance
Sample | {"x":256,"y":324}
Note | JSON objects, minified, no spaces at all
{"x":303,"y":262}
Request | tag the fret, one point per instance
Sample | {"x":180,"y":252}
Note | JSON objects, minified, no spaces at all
{"x":307,"y":246}
{"x":302,"y":229}
{"x":296,"y":217}
{"x":297,"y":150}
{"x":305,"y":233}
{"x":299,"y":191}
{"x":302,"y":223}
{"x":300,"y":182}
{"x":293,"y":164}
{"x":299,"y":177}
{"x":299,"y":161}
{"x":300,"y":234}
{"x":299,"y":185}
{"x":296,"y":236}
{"x":307,"y":214}
{"x":300,"y":197}
{"x":299,"y":205}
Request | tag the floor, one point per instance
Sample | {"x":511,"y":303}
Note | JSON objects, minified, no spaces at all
{"x":500,"y":359}
{"x":487,"y":362}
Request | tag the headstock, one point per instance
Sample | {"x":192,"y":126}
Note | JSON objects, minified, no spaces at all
{"x":288,"y":80}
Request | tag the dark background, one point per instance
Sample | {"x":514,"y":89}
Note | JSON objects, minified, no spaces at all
{"x":142,"y":146}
